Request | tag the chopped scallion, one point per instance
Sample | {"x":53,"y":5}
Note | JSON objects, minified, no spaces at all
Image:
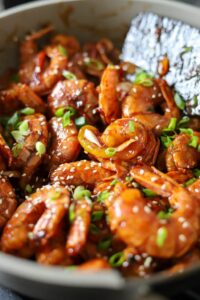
{"x":117,"y":259}
{"x":110,"y":152}
{"x":179,"y":101}
{"x":161,"y":236}
{"x":40,"y":148}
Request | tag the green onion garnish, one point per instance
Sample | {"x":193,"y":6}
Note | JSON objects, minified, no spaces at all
{"x":16,"y":150}
{"x":148,"y":193}
{"x":80,"y":121}
{"x":97,"y":215}
{"x":60,"y":112}
{"x":144,"y":79}
{"x":66,"y":119}
{"x":117,"y":259}
{"x":40,"y":148}
{"x":14,"y":120}
{"x":131,"y":125}
{"x":93,"y":63}
{"x":81,"y":192}
{"x":172,"y":125}
{"x":189,"y":182}
{"x":103,"y":196}
{"x":161,"y":236}
{"x":129,"y":178}
{"x":104,"y":245}
{"x":28,"y":188}
{"x":183,"y":121}
{"x":179,"y":101}
{"x":72,"y":214}
{"x":194,"y":141}
{"x":23,"y":127}
{"x":110,"y":152}
{"x":195,"y":100}
{"x":196,"y":173}
{"x":69,"y":75}
{"x":163,"y":215}
{"x":188,"y":131}
{"x":62,"y":50}
{"x":114,"y":182}
{"x":166,"y":141}
{"x":28,"y":111}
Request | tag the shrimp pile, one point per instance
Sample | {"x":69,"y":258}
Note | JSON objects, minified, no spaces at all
{"x":96,"y":171}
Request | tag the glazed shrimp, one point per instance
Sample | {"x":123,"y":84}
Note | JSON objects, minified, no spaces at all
{"x":35,"y":221}
{"x":80,"y":227}
{"x":18,"y":96}
{"x":93,"y":265}
{"x":79,"y":94}
{"x":8,"y":202}
{"x":128,"y":140}
{"x":156,"y":121}
{"x":109,"y":105}
{"x":5,"y":151}
{"x":70,"y":43}
{"x":35,"y":70}
{"x":80,"y":173}
{"x":145,"y":231}
{"x":27,"y":158}
{"x":64,"y":142}
{"x":180,"y":155}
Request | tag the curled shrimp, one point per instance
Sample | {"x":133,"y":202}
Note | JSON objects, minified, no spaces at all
{"x":8,"y":202}
{"x":64,"y":142}
{"x":80,"y":173}
{"x":129,"y":141}
{"x":155,"y":121}
{"x":27,"y":158}
{"x":96,"y":264}
{"x":78,"y":233}
{"x":79,"y":94}
{"x":109,"y":105}
{"x":35,"y":70}
{"x":35,"y":221}
{"x":5,"y":152}
{"x":180,"y":155}
{"x":17,"y":96}
{"x":145,"y":231}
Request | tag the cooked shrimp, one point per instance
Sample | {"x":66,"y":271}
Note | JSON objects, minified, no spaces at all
{"x":35,"y":70}
{"x":169,"y":238}
{"x":109,"y":105}
{"x":27,"y":157}
{"x":5,"y":151}
{"x":156,"y":121}
{"x":65,"y":146}
{"x":79,"y":173}
{"x":93,"y":265}
{"x":70,"y":43}
{"x":79,"y":94}
{"x":126,"y":139}
{"x":35,"y":221}
{"x":8,"y":200}
{"x":180,"y":155}
{"x":79,"y":229}
{"x":180,"y":176}
{"x":18,"y":96}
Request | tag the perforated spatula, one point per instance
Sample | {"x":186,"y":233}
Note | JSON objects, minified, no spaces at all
{"x":151,"y":37}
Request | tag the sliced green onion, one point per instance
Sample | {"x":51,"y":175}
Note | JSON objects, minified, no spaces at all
{"x":16,"y":150}
{"x":161,"y":236}
{"x":66,"y":119}
{"x":103,"y":196}
{"x":114,"y":182}
{"x":189,"y":182}
{"x":195,"y":100}
{"x":14,"y":120}
{"x":105,"y":244}
{"x":60,"y":112}
{"x":94,"y":229}
{"x":80,"y":121}
{"x":28,"y":111}
{"x":97,"y":215}
{"x":166,"y":141}
{"x":183,"y":121}
{"x":28,"y":188}
{"x":24,"y":127}
{"x":72,"y":214}
{"x":148,"y":193}
{"x":131,"y":125}
{"x":196,"y":173}
{"x":163,"y":215}
{"x":144,"y":79}
{"x":117,"y":259}
{"x":188,"y":131}
{"x":93,"y":63}
{"x":81,"y":192}
{"x":179,"y":101}
{"x":129,"y":178}
{"x":18,"y":136}
{"x":194,"y":141}
{"x":69,"y":75}
{"x":110,"y":152}
{"x":62,"y":50}
{"x":40,"y":148}
{"x":172,"y":125}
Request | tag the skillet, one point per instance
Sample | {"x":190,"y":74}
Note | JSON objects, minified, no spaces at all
{"x":88,"y":20}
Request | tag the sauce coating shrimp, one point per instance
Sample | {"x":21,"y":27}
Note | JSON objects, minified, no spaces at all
{"x":65,"y":146}
{"x":172,"y":237}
